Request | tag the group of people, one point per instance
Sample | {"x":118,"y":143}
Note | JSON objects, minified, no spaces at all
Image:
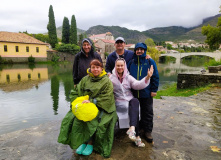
{"x":130,"y":79}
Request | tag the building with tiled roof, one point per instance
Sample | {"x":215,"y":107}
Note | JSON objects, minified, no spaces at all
{"x":19,"y":46}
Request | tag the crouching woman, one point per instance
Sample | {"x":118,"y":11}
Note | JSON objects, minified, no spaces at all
{"x":97,"y":134}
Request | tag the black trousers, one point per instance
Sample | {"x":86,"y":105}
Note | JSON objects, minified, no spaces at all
{"x":146,"y":109}
{"x":134,"y":114}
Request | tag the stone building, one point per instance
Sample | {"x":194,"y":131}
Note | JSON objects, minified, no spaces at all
{"x":103,"y":43}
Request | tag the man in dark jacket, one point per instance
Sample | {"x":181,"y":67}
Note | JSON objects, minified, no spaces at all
{"x":138,"y":68}
{"x":120,"y":52}
{"x":82,"y":60}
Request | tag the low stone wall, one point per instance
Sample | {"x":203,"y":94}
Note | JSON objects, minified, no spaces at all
{"x":187,"y":80}
{"x":63,"y":56}
{"x":23,"y":59}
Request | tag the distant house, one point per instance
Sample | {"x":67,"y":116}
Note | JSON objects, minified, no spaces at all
{"x":107,"y":36}
{"x":19,"y":46}
{"x":103,"y":43}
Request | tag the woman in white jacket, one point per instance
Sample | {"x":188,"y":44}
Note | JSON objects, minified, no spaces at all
{"x":123,"y":82}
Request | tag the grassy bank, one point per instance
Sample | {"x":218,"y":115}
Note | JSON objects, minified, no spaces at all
{"x":171,"y":90}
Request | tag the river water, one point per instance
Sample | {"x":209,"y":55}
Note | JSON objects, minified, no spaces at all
{"x":32,"y":95}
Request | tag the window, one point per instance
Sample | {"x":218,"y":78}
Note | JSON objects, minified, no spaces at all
{"x":27,"y":49}
{"x":5,"y":48}
{"x":39,"y":75}
{"x":19,"y":77}
{"x":37,"y":49}
{"x":16,"y":49}
{"x":29,"y":75}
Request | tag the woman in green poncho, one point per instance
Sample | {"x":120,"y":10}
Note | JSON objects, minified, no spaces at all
{"x":97,"y":134}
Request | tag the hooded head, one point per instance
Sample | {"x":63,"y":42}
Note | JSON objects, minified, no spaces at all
{"x":143,"y":46}
{"x":119,"y":68}
{"x":86,"y":45}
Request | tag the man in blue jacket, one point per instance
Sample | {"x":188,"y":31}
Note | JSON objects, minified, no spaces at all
{"x":138,"y":68}
{"x":120,"y":52}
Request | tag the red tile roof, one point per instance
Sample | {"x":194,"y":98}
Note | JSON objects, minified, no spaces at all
{"x":19,"y":38}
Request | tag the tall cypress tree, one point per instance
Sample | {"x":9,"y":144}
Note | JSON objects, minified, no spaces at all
{"x":52,"y":33}
{"x":73,"y":31}
{"x":65,"y":31}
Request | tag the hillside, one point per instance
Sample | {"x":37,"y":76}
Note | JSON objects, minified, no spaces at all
{"x":173,"y":33}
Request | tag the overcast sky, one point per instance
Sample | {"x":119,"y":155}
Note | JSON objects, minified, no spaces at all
{"x":32,"y":15}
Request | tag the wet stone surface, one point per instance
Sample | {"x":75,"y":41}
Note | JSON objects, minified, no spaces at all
{"x":185,"y":128}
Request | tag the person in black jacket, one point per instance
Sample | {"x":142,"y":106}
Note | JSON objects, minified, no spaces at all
{"x":82,"y":60}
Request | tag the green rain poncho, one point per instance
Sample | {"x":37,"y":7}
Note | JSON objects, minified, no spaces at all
{"x":75,"y":132}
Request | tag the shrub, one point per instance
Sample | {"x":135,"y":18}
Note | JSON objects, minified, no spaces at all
{"x":55,"y":58}
{"x":1,"y":60}
{"x":31,"y":59}
{"x":69,"y":48}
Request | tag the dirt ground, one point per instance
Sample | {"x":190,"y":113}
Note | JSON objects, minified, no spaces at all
{"x":185,"y":128}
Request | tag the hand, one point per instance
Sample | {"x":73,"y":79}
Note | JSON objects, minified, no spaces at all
{"x":148,"y":56}
{"x":86,"y":101}
{"x":149,"y":72}
{"x":108,"y":74}
{"x":153,"y":94}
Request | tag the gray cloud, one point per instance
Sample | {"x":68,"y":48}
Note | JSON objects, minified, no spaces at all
{"x":33,"y":16}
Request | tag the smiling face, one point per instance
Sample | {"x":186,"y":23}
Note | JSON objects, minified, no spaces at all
{"x":139,"y":51}
{"x":96,"y":70}
{"x":120,"y":67}
{"x":86,"y":47}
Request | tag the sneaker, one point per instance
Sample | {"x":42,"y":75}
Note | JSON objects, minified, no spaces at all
{"x":88,"y":150}
{"x":131,"y":134}
{"x":81,"y":148}
{"x":139,"y":143}
{"x":148,"y":137}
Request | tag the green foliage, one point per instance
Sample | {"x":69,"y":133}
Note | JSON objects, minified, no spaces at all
{"x":169,"y":46}
{"x":31,"y":59}
{"x":73,"y":31}
{"x":1,"y":60}
{"x":69,"y":48}
{"x":41,"y":37}
{"x":153,"y":52}
{"x":149,"y":42}
{"x":213,"y":62}
{"x":55,"y":58}
{"x":171,"y":90}
{"x":65,"y":31}
{"x":52,"y":34}
{"x":213,"y":35}
{"x":106,"y":54}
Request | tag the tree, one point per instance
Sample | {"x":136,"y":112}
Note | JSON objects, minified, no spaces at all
{"x":65,"y":31}
{"x":169,"y":46}
{"x":52,"y":33}
{"x":73,"y":31}
{"x":149,"y":42}
{"x":213,"y":35}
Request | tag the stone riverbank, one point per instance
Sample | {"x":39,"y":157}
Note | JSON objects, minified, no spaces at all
{"x":185,"y":128}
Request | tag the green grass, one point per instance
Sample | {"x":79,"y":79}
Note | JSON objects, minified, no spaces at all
{"x":212,"y":63}
{"x":171,"y":90}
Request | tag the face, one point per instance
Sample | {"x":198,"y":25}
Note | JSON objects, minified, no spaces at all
{"x":96,"y":70}
{"x":139,"y":51}
{"x":86,"y":47}
{"x":119,"y":45}
{"x":120,"y":66}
